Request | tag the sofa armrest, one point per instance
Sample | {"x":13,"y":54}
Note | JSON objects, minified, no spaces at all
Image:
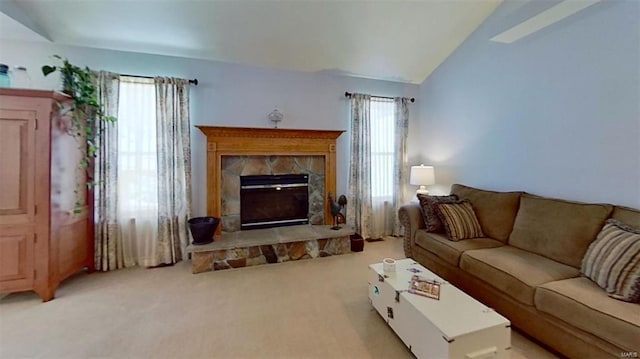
{"x":410,"y":216}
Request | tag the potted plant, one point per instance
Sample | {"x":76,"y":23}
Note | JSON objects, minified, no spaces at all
{"x":77,"y":82}
{"x":87,"y":112}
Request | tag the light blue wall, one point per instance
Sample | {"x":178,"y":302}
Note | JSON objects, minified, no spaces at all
{"x":556,"y":113}
{"x":229,"y":95}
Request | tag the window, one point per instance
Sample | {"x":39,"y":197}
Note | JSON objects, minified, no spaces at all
{"x":137,"y":157}
{"x":382,"y":114}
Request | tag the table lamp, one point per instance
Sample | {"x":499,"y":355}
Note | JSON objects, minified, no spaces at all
{"x":422,"y":176}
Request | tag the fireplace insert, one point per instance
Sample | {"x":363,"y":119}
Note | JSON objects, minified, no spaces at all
{"x":274,"y":200}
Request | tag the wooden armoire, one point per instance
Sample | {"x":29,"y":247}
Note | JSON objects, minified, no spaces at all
{"x":46,"y":211}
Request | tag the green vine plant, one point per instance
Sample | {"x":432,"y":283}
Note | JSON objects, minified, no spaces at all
{"x":87,"y":113}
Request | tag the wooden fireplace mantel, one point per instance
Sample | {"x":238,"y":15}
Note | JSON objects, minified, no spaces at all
{"x":246,"y":141}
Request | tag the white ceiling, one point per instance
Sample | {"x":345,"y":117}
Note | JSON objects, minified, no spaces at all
{"x":392,"y":40}
{"x":14,"y":30}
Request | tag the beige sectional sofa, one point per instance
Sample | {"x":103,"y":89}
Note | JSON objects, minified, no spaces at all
{"x":528,"y":268}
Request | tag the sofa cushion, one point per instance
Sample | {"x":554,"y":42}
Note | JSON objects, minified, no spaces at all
{"x":428,"y":203}
{"x":459,"y":220}
{"x":514,"y":271}
{"x":626,"y":215}
{"x":581,"y":303}
{"x":613,"y":261}
{"x":557,"y":229}
{"x":496,"y":211}
{"x":450,"y":251}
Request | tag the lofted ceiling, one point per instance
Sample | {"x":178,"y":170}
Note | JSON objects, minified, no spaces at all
{"x":391,"y":40}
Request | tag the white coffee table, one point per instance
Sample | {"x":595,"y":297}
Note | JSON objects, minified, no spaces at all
{"x":455,"y":326}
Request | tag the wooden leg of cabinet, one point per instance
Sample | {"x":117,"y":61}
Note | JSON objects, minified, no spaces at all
{"x":46,"y":289}
{"x":46,"y":294}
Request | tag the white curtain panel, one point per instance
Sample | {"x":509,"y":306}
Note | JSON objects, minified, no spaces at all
{"x":382,"y":165}
{"x":137,"y":189}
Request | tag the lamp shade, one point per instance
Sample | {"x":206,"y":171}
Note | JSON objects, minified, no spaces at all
{"x":422,"y":175}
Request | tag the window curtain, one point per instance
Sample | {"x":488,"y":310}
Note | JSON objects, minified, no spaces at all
{"x":109,"y":254}
{"x":381,"y":116}
{"x":374,"y":215}
{"x":359,"y":207}
{"x":137,"y":192}
{"x":174,"y":167}
{"x":400,"y":171}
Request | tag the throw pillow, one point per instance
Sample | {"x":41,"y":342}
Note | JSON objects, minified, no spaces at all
{"x":613,"y":261}
{"x":459,"y":220}
{"x":431,"y":220}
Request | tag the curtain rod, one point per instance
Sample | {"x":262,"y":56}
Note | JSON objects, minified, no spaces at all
{"x":348,"y":95}
{"x":194,"y":81}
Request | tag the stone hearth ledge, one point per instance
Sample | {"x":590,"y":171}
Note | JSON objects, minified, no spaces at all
{"x":270,"y":245}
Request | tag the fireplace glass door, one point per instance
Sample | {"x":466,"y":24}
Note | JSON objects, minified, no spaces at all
{"x":274,"y":200}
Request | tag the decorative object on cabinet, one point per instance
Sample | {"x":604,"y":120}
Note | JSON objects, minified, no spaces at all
{"x":21,"y":78}
{"x":43,"y":239}
{"x":5,"y":79}
{"x":422,"y":176}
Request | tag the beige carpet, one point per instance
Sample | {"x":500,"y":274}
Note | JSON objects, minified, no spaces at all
{"x":307,"y":309}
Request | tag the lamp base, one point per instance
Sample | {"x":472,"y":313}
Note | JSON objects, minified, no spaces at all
{"x":422,"y":190}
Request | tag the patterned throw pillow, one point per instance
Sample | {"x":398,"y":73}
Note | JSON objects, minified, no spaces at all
{"x":459,"y":220}
{"x":613,"y":261}
{"x":431,"y":220}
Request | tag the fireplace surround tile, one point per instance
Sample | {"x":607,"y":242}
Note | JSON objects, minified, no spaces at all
{"x":235,"y":166}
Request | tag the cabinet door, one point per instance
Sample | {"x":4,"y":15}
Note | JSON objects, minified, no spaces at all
{"x":16,"y":261}
{"x":17,"y":166}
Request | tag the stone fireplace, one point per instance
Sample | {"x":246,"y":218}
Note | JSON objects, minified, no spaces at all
{"x":233,"y":152}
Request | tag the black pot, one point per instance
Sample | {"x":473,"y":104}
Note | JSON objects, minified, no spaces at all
{"x":203,"y":229}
